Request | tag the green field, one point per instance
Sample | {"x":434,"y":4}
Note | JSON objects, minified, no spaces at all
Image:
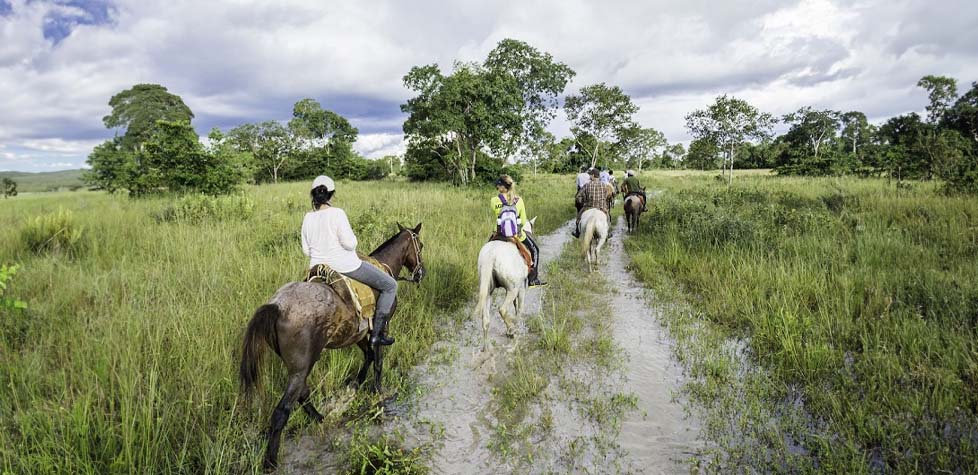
{"x":126,"y":358}
{"x":828,"y":325}
{"x":45,"y":181}
{"x":856,"y":299}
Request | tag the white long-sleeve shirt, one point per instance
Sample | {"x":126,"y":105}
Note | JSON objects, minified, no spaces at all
{"x":327,"y":238}
{"x":582,"y":179}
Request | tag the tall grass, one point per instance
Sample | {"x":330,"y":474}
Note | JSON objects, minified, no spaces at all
{"x":862,"y":295}
{"x":125,"y":360}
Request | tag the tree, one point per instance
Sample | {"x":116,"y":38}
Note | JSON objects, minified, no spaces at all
{"x":602,"y":112}
{"x":270,"y":143}
{"x":941,"y":91}
{"x":672,"y":156}
{"x":856,"y":130}
{"x":173,"y":159}
{"x":810,"y":131}
{"x":902,"y":135}
{"x":729,"y":123}
{"x":138,"y":110}
{"x":540,"y":80}
{"x":8,"y":187}
{"x":963,"y":116}
{"x":112,"y":168}
{"x":703,"y":154}
{"x":641,"y":144}
{"x":463,"y":117}
{"x":314,"y":126}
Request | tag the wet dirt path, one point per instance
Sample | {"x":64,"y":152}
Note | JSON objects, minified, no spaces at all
{"x":658,"y":437}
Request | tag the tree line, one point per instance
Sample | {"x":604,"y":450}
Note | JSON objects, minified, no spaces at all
{"x":490,"y":117}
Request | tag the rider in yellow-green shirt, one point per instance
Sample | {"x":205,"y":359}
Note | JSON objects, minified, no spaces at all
{"x":507,"y":191}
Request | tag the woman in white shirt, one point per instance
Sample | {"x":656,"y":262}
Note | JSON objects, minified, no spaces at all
{"x":327,"y":238}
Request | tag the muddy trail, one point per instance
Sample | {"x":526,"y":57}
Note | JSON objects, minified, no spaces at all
{"x":451,"y":414}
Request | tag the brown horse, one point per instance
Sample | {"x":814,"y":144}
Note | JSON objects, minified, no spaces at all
{"x":633,"y":210}
{"x":302,"y":318}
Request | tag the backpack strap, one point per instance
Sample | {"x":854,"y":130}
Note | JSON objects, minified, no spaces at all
{"x":503,"y":199}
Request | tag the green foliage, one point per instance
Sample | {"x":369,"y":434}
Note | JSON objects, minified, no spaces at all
{"x":640,"y":145}
{"x":729,"y":123}
{"x":858,"y":295}
{"x":8,"y":187}
{"x":139,"y":108}
{"x":196,"y":208}
{"x":383,"y":457}
{"x":703,"y":154}
{"x":604,"y":114}
{"x":808,"y":142}
{"x":6,"y":302}
{"x":173,"y":159}
{"x":54,"y":233}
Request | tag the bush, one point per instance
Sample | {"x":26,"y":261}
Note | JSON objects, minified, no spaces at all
{"x":198,"y":208}
{"x":8,"y":303}
{"x":55,"y":233}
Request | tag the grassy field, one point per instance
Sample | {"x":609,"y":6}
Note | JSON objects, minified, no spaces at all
{"x":125,"y":361}
{"x":45,"y":181}
{"x":856,"y":301}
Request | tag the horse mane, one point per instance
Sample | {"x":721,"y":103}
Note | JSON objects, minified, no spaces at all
{"x":389,"y":242}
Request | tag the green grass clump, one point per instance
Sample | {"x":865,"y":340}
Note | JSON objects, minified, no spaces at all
{"x":128,"y":363}
{"x":196,"y":208}
{"x":54,"y":233}
{"x":859,"y":294}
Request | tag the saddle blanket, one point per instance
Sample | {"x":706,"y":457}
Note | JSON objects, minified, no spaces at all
{"x":360,"y":296}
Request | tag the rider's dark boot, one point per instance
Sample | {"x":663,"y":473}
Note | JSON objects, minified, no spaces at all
{"x":377,"y":337}
{"x":533,"y":279}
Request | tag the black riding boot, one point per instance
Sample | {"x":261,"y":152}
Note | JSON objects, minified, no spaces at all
{"x":377,"y":337}
{"x":645,"y":202}
{"x":533,"y":278}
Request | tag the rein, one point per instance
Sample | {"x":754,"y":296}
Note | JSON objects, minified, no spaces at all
{"x":417,"y":254}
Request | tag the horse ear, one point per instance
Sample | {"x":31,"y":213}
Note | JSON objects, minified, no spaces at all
{"x":533,"y":221}
{"x":400,"y":228}
{"x":417,"y":229}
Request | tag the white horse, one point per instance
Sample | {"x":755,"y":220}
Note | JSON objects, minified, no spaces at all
{"x":594,"y":222}
{"x":502,"y":265}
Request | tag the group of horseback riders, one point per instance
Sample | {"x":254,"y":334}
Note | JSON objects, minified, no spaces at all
{"x":597,"y":189}
{"x":330,"y":243}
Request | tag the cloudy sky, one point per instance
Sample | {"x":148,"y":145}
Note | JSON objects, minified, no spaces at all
{"x":240,"y":61}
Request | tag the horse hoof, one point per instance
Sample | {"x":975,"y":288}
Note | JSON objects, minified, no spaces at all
{"x":269,"y":466}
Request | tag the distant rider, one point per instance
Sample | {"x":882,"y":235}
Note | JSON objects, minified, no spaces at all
{"x":507,"y":196}
{"x":595,"y":195}
{"x":632,"y":186}
{"x":327,"y":238}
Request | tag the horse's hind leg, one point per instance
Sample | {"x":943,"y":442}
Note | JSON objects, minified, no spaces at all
{"x":368,"y":358}
{"x":296,"y":388}
{"x":308,"y":407}
{"x":510,"y":300}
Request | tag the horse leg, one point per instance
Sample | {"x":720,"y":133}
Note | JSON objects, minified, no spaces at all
{"x":296,"y":387}
{"x":368,"y":358}
{"x":510,"y":299}
{"x":308,"y":407}
{"x":378,"y":366}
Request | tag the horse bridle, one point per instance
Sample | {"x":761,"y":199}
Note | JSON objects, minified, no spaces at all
{"x":418,"y":270}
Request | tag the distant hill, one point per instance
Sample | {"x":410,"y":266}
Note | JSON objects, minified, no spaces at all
{"x":46,"y":181}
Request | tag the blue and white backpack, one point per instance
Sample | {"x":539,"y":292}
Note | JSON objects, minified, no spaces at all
{"x":509,"y":218}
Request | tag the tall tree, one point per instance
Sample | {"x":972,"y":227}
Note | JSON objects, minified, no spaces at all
{"x":139,"y":108}
{"x":541,"y":80}
{"x":810,"y":131}
{"x":111,"y":168}
{"x":963,"y":116}
{"x":463,"y":116}
{"x":641,"y":144}
{"x":729,"y":123}
{"x":941,"y":91}
{"x":602,"y":112}
{"x":270,"y":143}
{"x":317,"y":127}
{"x":703,"y":154}
{"x":855,"y":130}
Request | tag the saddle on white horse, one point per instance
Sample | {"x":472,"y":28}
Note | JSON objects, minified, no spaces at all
{"x":524,"y":252}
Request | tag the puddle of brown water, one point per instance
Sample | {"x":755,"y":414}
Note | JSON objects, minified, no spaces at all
{"x":659,"y":436}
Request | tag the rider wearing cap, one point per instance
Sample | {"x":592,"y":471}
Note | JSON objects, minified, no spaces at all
{"x":327,"y":238}
{"x":507,"y":191}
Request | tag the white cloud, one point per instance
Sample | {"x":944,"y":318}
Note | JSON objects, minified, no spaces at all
{"x":380,"y":145}
{"x":236,"y":62}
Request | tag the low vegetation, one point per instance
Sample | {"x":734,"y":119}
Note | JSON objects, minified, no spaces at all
{"x":854,"y":299}
{"x":125,"y":359}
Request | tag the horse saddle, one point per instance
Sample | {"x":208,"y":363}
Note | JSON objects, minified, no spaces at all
{"x":527,"y":257}
{"x":360,"y":296}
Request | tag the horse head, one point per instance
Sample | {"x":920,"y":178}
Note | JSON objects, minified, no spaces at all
{"x":412,"y":257}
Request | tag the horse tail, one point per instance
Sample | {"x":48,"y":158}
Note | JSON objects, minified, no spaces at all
{"x":588,"y":235}
{"x":485,"y":288}
{"x":261,"y":330}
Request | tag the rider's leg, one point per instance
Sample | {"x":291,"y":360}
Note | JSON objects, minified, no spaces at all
{"x":533,"y":279}
{"x":645,"y":202}
{"x":577,"y":223}
{"x":387,"y":287}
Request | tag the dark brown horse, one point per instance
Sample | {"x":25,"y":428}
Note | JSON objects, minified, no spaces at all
{"x":302,"y":318}
{"x":633,"y":210}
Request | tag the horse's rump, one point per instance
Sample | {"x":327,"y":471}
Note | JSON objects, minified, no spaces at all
{"x":636,"y":196}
